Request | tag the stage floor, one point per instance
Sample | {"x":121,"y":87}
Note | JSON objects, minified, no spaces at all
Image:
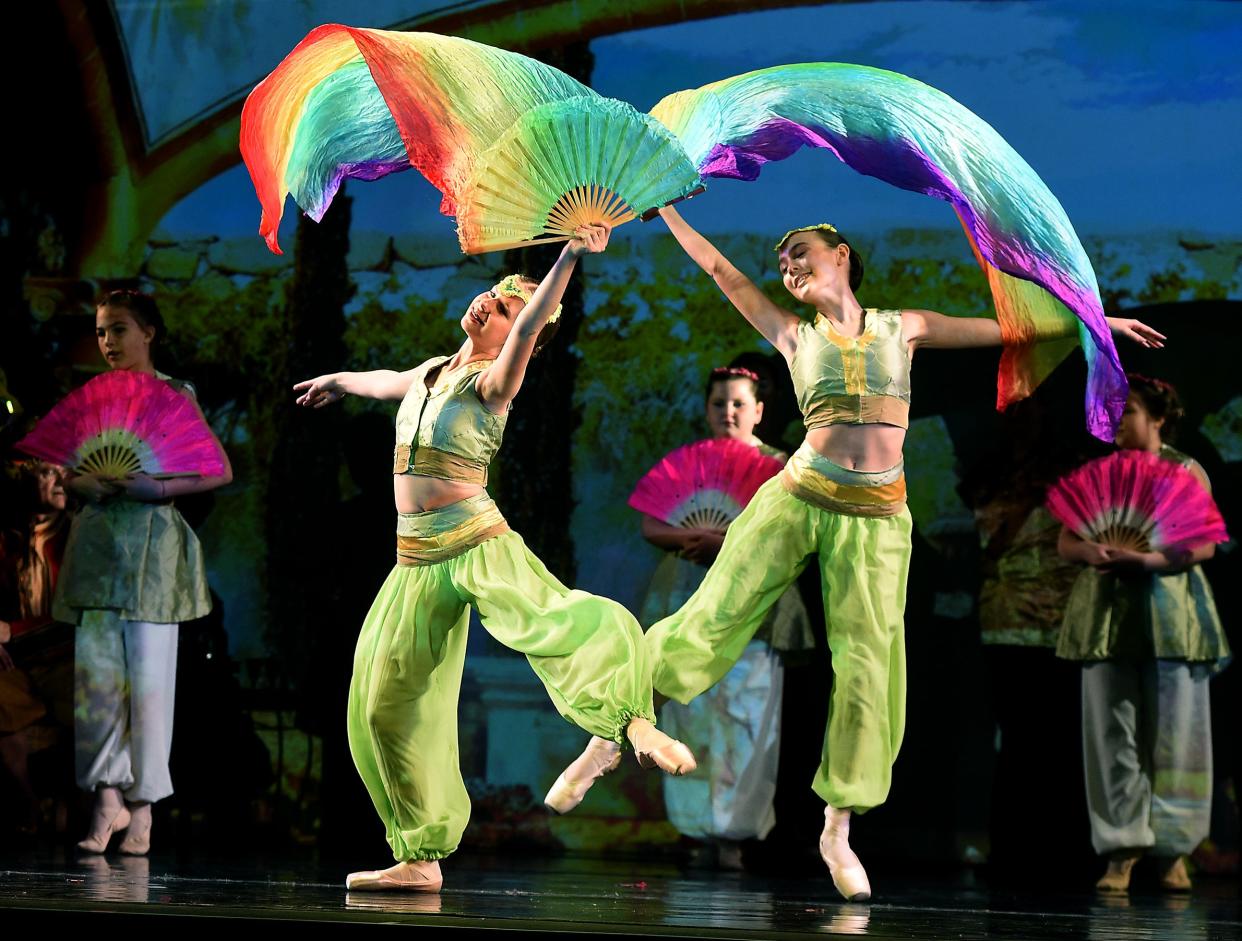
{"x":583,"y":897}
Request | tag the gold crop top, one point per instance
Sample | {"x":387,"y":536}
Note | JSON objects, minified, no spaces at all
{"x":446,"y":431}
{"x":853,"y":380}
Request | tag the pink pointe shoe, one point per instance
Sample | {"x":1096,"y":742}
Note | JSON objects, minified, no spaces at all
{"x":600,"y":757}
{"x":654,"y":749}
{"x":137,"y":840}
{"x":111,"y":816}
{"x":414,"y":875}
{"x":847,"y":872}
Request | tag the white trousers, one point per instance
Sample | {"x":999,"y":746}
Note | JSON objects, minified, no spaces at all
{"x":124,"y":680}
{"x":1147,"y":741}
{"x":735,"y":730}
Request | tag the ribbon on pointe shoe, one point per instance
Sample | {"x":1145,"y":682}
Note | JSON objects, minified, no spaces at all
{"x":409,"y":876}
{"x":843,"y":864}
{"x":110,"y":816}
{"x":599,"y":758}
{"x":654,"y":749}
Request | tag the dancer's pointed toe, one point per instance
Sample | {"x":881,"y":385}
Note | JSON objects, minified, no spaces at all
{"x":409,"y":876}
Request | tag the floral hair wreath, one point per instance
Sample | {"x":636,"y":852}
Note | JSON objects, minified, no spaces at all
{"x":734,"y":372}
{"x":818,"y":227}
{"x":511,"y":286}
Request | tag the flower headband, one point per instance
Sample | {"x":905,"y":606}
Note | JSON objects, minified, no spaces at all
{"x":511,"y":286}
{"x":820,"y":227}
{"x":734,"y":372}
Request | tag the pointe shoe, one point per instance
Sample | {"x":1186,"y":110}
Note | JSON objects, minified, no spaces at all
{"x":847,"y":872}
{"x":600,"y":757}
{"x":1175,"y":878}
{"x":111,"y":816}
{"x":1116,"y":878}
{"x":410,"y":876}
{"x":654,"y":749}
{"x":137,"y":840}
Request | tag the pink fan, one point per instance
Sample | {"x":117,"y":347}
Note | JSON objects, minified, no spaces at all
{"x":703,"y":485}
{"x":1136,"y":500}
{"x":122,"y":423}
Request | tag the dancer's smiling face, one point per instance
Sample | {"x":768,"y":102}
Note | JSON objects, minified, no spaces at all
{"x":490,"y":316}
{"x":732,"y":409}
{"x":807,"y":263}
{"x":123,"y":341}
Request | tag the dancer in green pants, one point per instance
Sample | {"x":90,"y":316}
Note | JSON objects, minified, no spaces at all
{"x":841,"y":498}
{"x":455,"y":550}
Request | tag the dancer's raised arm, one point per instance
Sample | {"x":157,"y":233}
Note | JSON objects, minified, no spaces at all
{"x":778,"y":326}
{"x":500,"y":384}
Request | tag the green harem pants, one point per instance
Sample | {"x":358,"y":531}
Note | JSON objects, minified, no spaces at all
{"x":863,"y":565}
{"x":587,"y":651}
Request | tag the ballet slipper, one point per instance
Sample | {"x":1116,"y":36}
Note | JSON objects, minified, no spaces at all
{"x":1175,"y":878}
{"x":654,"y":749}
{"x":110,"y":816}
{"x":414,"y":875}
{"x":600,"y":757}
{"x":137,"y":840}
{"x":1116,"y":878}
{"x":847,"y":872}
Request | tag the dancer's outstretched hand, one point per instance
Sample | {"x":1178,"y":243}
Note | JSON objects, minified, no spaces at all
{"x":589,"y":240}
{"x":320,"y":391}
{"x":1137,"y":331}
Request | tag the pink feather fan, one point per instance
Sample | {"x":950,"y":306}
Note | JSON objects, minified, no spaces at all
{"x":705,"y":484}
{"x":122,"y":423}
{"x":1136,"y":500}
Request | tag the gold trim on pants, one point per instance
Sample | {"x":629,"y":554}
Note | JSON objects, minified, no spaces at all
{"x":444,"y":533}
{"x":814,"y":479}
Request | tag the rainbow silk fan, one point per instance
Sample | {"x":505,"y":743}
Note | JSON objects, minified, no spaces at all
{"x":123,"y":423}
{"x":704,"y":485}
{"x":1139,"y":501}
{"x":520,"y":151}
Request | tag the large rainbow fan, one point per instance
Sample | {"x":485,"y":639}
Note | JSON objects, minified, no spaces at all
{"x":521,"y":151}
{"x":122,"y":423}
{"x":703,"y":485}
{"x":1136,"y":500}
{"x":910,"y":135}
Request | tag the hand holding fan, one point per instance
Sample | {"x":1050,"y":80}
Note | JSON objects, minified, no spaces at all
{"x":1139,"y":501}
{"x":123,"y":423}
{"x":704,"y":485}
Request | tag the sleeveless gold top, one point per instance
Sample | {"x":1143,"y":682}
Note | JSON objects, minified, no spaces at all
{"x":853,"y":380}
{"x":447,"y":431}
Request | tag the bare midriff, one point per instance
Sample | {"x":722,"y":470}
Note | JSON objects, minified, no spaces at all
{"x":414,"y":493}
{"x":873,"y":447}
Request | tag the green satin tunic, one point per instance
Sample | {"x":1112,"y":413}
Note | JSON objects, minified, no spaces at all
{"x":139,"y":559}
{"x":854,"y":380}
{"x":1166,"y":615}
{"x":450,"y":419}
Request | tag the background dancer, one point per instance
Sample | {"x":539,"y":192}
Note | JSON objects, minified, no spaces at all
{"x":133,"y":570}
{"x":1145,"y":627}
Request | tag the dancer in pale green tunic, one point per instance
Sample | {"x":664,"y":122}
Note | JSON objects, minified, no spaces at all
{"x":1145,"y":627}
{"x":133,"y":570}
{"x":841,"y":500}
{"x":454,"y":551}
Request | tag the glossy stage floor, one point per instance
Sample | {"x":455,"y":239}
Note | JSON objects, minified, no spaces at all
{"x":573,"y":897}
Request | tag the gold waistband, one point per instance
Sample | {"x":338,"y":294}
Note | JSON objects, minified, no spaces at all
{"x":422,"y":541}
{"x":432,"y":462}
{"x":858,"y":410}
{"x":814,"y":479}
